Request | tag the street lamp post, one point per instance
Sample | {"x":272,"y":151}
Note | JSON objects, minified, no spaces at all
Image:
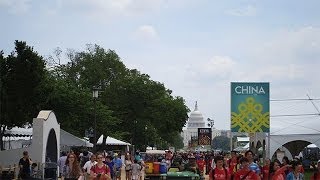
{"x":95,"y":94}
{"x":210,"y":122}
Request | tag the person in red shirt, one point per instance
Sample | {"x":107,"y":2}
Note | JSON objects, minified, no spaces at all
{"x":219,"y":172}
{"x":245,"y":173}
{"x":232,"y":163}
{"x":100,"y":171}
{"x":266,"y":169}
{"x":276,"y":172}
{"x":316,"y":175}
{"x":201,"y":164}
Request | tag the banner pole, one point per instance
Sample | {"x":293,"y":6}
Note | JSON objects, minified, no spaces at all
{"x":231,"y":136}
{"x":268,"y":150}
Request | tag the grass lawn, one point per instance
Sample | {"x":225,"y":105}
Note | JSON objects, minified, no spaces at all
{"x":308,"y":173}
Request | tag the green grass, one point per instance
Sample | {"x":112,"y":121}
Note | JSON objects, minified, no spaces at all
{"x":308,"y":173}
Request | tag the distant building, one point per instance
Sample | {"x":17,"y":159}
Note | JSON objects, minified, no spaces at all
{"x":226,"y":133}
{"x":215,"y":132}
{"x":194,"y":122}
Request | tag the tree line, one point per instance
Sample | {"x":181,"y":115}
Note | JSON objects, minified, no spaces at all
{"x":130,"y":106}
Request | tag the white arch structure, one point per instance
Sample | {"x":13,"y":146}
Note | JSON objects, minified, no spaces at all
{"x":300,"y":141}
{"x":292,"y":144}
{"x":45,"y":123}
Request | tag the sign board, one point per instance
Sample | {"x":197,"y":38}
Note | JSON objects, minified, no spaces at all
{"x":204,"y":136}
{"x":250,"y":107}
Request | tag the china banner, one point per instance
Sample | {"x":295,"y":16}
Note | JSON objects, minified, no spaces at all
{"x":250,"y":107}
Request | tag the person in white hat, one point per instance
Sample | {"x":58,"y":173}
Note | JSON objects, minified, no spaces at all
{"x":316,"y":174}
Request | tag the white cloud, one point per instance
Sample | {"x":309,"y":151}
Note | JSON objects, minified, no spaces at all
{"x":15,"y":6}
{"x":298,"y":46}
{"x":248,"y":10}
{"x":219,"y":65}
{"x":107,"y":9}
{"x":146,"y":33}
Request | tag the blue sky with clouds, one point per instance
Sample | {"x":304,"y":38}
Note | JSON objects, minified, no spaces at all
{"x":195,"y":47}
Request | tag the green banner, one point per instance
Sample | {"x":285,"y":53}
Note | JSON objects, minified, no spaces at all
{"x":250,"y":107}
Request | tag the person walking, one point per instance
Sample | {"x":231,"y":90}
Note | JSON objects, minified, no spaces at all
{"x":128,"y":163}
{"x":219,"y":172}
{"x":136,"y":168}
{"x":62,"y":161}
{"x":316,"y":174}
{"x":100,"y":171}
{"x":71,"y":170}
{"x":88,"y":165}
{"x":295,"y":174}
{"x":117,"y":165}
{"x":245,"y":173}
{"x":24,"y":166}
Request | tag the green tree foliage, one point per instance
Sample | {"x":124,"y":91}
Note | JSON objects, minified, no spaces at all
{"x":22,"y":79}
{"x":135,"y":101}
{"x":130,"y":106}
{"x":221,"y":142}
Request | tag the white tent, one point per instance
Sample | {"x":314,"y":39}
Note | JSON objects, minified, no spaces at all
{"x":112,"y":141}
{"x":244,"y":148}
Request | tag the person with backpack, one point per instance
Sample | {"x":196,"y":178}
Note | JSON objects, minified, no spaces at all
{"x":252,"y":165}
{"x":316,"y":174}
{"x":219,"y":172}
{"x":245,"y":173}
{"x":100,"y":171}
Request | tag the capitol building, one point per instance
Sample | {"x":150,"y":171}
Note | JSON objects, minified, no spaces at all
{"x":194,"y":122}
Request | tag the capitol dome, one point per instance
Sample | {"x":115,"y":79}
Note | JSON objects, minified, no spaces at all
{"x":196,"y":115}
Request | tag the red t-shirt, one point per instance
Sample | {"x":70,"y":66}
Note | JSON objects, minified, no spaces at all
{"x":233,"y":165}
{"x":317,"y":177}
{"x":100,"y":170}
{"x":219,"y":174}
{"x":265,"y":172}
{"x":250,"y":175}
{"x":201,"y":164}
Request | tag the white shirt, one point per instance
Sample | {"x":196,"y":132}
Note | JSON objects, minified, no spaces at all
{"x":61,"y":162}
{"x":87,"y":166}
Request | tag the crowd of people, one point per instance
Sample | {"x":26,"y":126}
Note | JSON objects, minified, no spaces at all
{"x":236,"y":166}
{"x":233,"y":166}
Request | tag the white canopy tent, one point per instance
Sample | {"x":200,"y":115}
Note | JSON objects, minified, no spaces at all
{"x":244,"y":148}
{"x":16,"y":134}
{"x":112,"y":141}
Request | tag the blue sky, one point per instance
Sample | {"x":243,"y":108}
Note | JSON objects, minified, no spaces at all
{"x":195,"y":47}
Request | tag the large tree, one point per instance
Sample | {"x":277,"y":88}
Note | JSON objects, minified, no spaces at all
{"x":221,"y":142}
{"x":22,"y":82}
{"x":136,"y":102}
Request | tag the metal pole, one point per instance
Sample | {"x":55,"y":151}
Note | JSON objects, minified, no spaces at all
{"x":230,"y":140}
{"x":268,"y":150}
{"x":95,"y":126}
